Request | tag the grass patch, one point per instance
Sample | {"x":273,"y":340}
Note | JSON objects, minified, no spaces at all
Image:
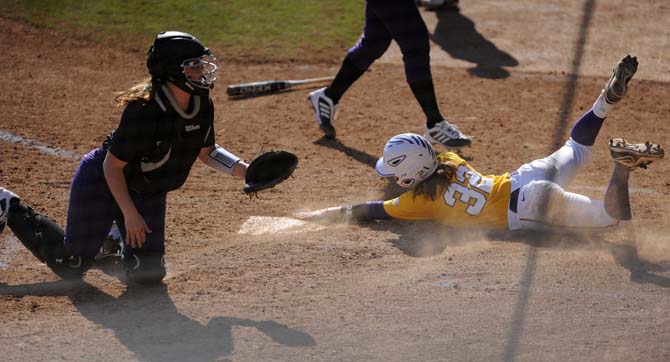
{"x":237,"y":30}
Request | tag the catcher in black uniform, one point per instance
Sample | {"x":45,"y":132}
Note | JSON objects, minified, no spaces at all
{"x":167,"y":124}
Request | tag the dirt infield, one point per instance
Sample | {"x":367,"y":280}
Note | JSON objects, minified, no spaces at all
{"x":241,"y":287}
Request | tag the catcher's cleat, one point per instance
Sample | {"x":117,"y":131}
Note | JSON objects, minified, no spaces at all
{"x":634,"y":155}
{"x":6,"y":198}
{"x":110,"y":256}
{"x":617,"y":87}
{"x":447,"y":135}
{"x":325,"y":110}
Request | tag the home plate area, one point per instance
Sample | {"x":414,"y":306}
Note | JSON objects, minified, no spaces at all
{"x":262,"y":225}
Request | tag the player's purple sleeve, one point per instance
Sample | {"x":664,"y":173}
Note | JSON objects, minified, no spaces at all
{"x":371,"y":210}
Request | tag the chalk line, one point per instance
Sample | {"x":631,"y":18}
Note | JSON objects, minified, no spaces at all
{"x":40,"y":146}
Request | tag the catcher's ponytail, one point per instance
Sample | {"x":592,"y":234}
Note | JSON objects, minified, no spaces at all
{"x":440,"y":178}
{"x":140,"y":91}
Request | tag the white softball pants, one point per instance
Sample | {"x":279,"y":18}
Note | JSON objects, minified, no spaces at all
{"x":542,"y":201}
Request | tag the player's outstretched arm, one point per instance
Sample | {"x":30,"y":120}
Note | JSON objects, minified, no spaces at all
{"x":368,"y":211}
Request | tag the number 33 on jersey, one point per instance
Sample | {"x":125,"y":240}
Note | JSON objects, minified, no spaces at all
{"x":470,"y":200}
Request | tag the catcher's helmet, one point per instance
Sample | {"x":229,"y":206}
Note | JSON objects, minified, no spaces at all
{"x":181,"y":59}
{"x":408,"y":158}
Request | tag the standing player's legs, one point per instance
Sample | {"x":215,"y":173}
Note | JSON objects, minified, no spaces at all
{"x":405,"y":24}
{"x":372,"y":44}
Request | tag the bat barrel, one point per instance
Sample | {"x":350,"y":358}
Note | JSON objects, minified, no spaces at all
{"x":267,"y":87}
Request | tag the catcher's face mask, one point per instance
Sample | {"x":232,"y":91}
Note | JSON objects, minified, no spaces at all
{"x":180,"y":58}
{"x":200,"y":72}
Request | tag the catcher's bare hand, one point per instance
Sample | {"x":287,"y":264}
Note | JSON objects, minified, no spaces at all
{"x":136,"y":230}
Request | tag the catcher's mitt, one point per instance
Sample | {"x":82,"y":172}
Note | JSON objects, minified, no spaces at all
{"x":269,"y":169}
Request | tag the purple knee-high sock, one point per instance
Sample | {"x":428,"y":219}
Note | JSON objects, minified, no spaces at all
{"x":586,"y":129}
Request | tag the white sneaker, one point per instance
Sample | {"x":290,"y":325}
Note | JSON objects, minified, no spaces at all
{"x":447,"y":135}
{"x":325,"y":111}
{"x":6,"y":197}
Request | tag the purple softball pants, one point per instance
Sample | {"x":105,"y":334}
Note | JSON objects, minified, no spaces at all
{"x":92,"y":210}
{"x":398,"y":20}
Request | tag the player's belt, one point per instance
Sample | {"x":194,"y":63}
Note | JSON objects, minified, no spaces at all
{"x":513,"y":200}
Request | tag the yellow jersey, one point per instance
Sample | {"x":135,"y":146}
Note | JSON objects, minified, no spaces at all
{"x":470,"y":200}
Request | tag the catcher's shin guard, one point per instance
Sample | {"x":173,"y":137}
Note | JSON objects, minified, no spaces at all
{"x":44,"y":239}
{"x":145,"y":267}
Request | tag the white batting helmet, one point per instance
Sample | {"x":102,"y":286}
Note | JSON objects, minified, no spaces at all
{"x":408,"y":158}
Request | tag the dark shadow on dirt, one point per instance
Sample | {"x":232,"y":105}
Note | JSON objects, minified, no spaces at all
{"x":641,"y":271}
{"x":457,"y":35}
{"x":515,"y":332}
{"x":427,"y":238}
{"x":430,"y":238}
{"x":417,"y":239}
{"x":360,"y":156}
{"x":147,"y":322}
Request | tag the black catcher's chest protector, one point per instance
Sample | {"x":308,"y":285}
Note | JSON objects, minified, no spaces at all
{"x":159,"y":146}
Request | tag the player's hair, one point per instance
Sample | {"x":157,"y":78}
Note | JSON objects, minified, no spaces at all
{"x":440,"y":178}
{"x":141,"y":91}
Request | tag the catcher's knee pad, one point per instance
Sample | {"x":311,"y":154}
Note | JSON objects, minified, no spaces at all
{"x":44,"y":239}
{"x":145,"y":267}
